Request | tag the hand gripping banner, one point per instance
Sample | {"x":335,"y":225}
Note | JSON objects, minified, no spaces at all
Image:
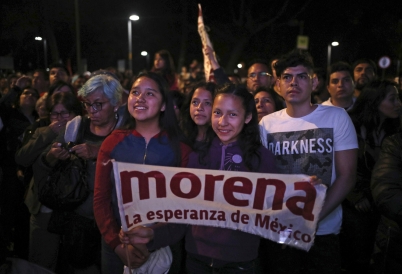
{"x":282,"y":208}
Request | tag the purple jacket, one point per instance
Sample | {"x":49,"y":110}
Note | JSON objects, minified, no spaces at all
{"x":220,"y":244}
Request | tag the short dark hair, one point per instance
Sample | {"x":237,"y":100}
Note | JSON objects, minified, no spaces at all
{"x":259,"y":61}
{"x":293,"y":59}
{"x":365,"y":61}
{"x":17,"y":99}
{"x":339,"y":66}
{"x":10,"y":76}
{"x":59,"y":65}
{"x":44,"y":73}
{"x":235,"y":75}
{"x":58,"y":85}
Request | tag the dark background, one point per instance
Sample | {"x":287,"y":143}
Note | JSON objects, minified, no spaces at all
{"x":239,"y":30}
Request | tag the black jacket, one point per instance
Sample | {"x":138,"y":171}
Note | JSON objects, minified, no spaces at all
{"x":386,"y":182}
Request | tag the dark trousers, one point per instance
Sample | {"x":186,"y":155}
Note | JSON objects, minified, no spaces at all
{"x":357,"y":238}
{"x":198,"y":266}
{"x":323,"y":257}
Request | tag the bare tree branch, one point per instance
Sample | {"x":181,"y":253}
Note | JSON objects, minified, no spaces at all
{"x":249,"y":20}
{"x":269,"y":22}
{"x":233,"y":13}
{"x":302,"y":8}
{"x":241,"y":14}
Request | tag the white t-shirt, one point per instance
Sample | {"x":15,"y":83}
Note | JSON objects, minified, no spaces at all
{"x":329,"y":103}
{"x":306,"y":145}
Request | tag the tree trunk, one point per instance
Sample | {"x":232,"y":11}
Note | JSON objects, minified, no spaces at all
{"x":184,"y":35}
{"x":49,"y":36}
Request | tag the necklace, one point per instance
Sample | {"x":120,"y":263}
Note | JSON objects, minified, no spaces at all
{"x":112,"y":128}
{"x":96,"y":130}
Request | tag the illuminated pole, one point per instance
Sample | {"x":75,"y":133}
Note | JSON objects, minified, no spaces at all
{"x":78,"y":38}
{"x":45,"y":50}
{"x":130,"y":42}
{"x":333,"y":44}
{"x":38,"y":38}
{"x":145,"y":54}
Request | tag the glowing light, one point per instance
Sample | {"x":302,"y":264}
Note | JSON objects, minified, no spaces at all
{"x":134,"y":17}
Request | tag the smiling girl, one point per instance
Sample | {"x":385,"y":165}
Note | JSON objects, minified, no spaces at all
{"x":150,"y":136}
{"x":237,"y":147}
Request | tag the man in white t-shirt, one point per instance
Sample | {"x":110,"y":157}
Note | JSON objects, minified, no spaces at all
{"x":314,"y":140}
{"x":340,"y":86}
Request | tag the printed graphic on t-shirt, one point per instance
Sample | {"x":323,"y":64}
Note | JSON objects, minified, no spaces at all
{"x":307,"y":151}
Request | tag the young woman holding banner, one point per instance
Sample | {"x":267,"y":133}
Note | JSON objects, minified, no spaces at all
{"x":237,"y":147}
{"x":151,"y":136}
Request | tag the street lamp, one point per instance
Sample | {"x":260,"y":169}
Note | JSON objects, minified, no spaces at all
{"x":130,"y":44}
{"x":38,"y":38}
{"x":333,"y":44}
{"x":145,"y":54}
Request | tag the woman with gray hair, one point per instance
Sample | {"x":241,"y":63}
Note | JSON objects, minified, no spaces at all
{"x":101,"y":97}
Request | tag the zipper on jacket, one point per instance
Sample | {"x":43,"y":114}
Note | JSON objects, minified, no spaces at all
{"x":145,"y":154}
{"x":222,"y":158}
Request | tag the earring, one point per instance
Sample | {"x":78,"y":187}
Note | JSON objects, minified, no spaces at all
{"x":116,"y":116}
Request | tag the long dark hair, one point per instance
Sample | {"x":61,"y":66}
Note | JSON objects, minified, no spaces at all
{"x":249,"y":137}
{"x":58,"y":85}
{"x":189,"y":128}
{"x":167,"y":119}
{"x":67,"y":99}
{"x":365,"y":110}
{"x":168,"y":71}
{"x":278,"y":101}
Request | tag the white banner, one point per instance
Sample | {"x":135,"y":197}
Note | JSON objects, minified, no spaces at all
{"x":205,"y":42}
{"x":282,"y":208}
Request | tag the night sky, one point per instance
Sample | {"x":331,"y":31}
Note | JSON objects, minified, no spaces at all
{"x":363,"y":30}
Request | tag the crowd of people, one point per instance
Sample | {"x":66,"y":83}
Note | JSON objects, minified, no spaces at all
{"x":349,"y":119}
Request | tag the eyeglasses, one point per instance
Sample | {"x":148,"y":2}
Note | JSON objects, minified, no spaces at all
{"x":300,"y":77}
{"x":63,"y":114}
{"x":261,"y":74}
{"x":97,"y":106}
